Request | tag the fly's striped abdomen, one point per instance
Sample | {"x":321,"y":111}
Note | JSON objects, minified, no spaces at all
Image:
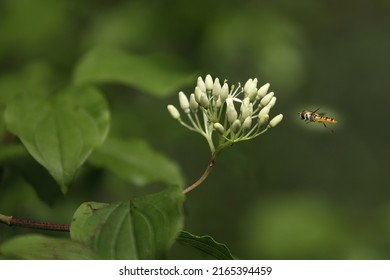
{"x":322,"y":119}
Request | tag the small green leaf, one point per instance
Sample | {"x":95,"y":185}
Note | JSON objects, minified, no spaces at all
{"x":151,"y":74}
{"x":205,"y":244}
{"x":40,"y":247}
{"x":143,"y":228}
{"x":61,"y":131}
{"x":136,"y":162}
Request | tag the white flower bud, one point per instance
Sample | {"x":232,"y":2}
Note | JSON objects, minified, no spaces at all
{"x":272,"y":102}
{"x":251,"y":90}
{"x":216,"y":89}
{"x":255,"y":82}
{"x":231,"y":113}
{"x":236,"y":125}
{"x":248,"y":85}
{"x":209,"y":83}
{"x":252,"y":95}
{"x":264,"y":111}
{"x":219,"y":128}
{"x":262,"y":91}
{"x":246,"y":125}
{"x":246,"y":108}
{"x":184,"y":103}
{"x":174,"y":112}
{"x":204,"y":101}
{"x":276,"y":120}
{"x":263,"y":119}
{"x":201,"y":84}
{"x":266,"y":99}
{"x":193,"y":104}
{"x":198,"y":94}
{"x":224,"y":92}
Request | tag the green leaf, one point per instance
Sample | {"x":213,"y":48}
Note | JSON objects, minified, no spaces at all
{"x":154,"y":75}
{"x":37,"y":80}
{"x":40,"y":247}
{"x":205,"y":244}
{"x":60,"y":132}
{"x":136,"y":162}
{"x":143,"y":228}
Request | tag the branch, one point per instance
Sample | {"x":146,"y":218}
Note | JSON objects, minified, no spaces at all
{"x":11,"y":221}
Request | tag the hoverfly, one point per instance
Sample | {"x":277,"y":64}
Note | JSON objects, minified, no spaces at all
{"x":313,"y":116}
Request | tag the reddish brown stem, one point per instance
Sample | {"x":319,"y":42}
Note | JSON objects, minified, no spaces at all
{"x":11,"y":221}
{"x":202,"y":178}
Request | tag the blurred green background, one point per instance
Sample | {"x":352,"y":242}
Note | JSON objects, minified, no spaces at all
{"x":296,"y":192}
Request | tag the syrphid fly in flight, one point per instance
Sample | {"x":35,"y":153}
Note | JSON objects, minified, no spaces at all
{"x":313,"y":116}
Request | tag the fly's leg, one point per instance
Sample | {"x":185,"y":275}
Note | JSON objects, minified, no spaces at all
{"x":328,"y":128}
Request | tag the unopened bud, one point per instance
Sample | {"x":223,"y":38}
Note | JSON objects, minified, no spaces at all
{"x":272,"y":102}
{"x":198,"y":94}
{"x":276,"y":120}
{"x":201,"y":84}
{"x":251,"y":90}
{"x":204,"y":101}
{"x":193,"y":104}
{"x":209,"y":83}
{"x":263,"y":119}
{"x":174,"y":112}
{"x":248,"y":85}
{"x":219,"y":128}
{"x":224,"y":92}
{"x":246,"y":125}
{"x":216,"y":89}
{"x":184,"y":103}
{"x":264,"y":111}
{"x":262,"y":91}
{"x":266,"y":99}
{"x":231,"y":113}
{"x":236,"y":126}
{"x":246,"y":109}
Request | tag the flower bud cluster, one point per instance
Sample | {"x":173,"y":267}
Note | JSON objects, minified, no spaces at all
{"x":236,"y":114}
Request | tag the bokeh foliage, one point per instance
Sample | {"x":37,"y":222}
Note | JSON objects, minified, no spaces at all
{"x":299,"y":191}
